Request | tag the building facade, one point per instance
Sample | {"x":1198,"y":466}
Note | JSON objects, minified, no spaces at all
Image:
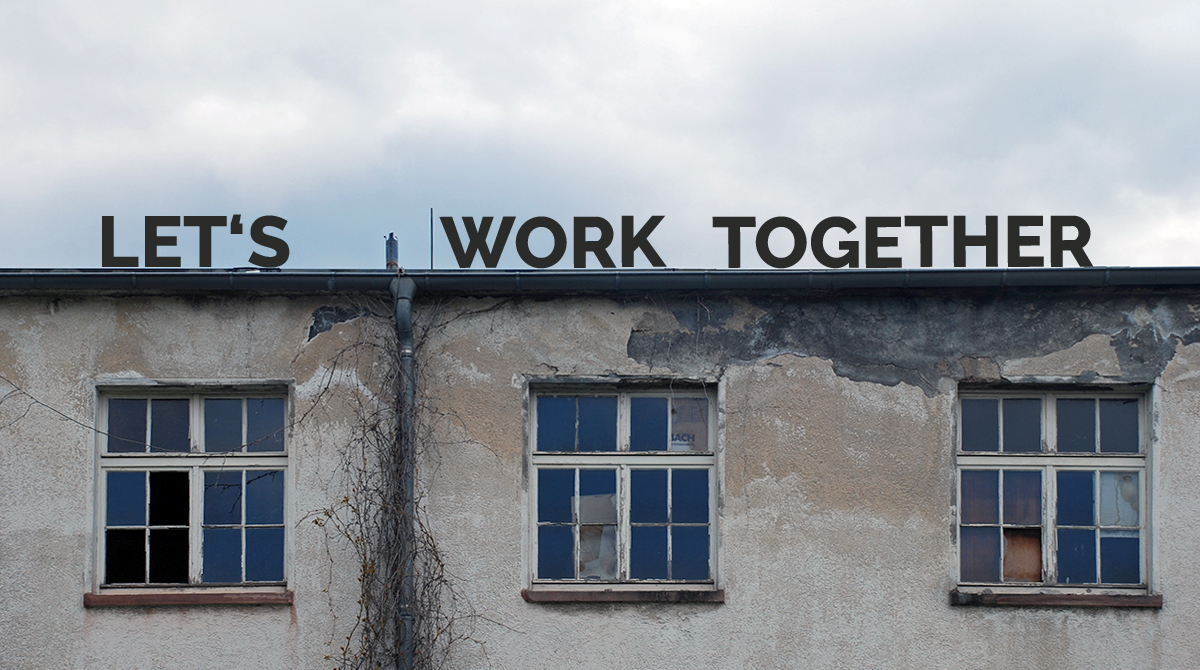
{"x":914,"y":469}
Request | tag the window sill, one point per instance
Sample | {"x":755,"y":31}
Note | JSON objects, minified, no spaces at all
{"x":987,"y":598}
{"x":622,"y":595}
{"x":140,"y":598}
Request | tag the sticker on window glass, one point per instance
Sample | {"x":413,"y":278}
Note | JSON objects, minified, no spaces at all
{"x":689,"y":424}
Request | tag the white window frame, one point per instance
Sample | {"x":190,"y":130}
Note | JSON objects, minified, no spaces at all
{"x":195,"y":462}
{"x":1048,"y":462}
{"x":624,"y":461}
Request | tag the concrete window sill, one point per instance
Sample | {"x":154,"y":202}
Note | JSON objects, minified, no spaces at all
{"x":551,"y":595}
{"x":987,"y":599}
{"x":186,"y":598}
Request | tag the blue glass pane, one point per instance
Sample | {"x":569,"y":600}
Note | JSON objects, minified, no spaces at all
{"x":169,"y":425}
{"x":1022,"y":425}
{"x":222,"y":424}
{"x":126,"y":499}
{"x":1076,"y":556}
{"x":979,"y":554}
{"x":1076,"y":425}
{"x":981,"y":496}
{"x":980,"y":424}
{"x":222,"y":497}
{"x":170,"y":499}
{"x":1119,"y":426}
{"x":648,"y":424}
{"x":264,"y":424}
{"x":222,"y":549}
{"x":689,"y":496}
{"x":1076,"y":498}
{"x":1022,"y":498}
{"x":556,"y":488}
{"x":556,"y":423}
{"x":597,"y":424}
{"x":264,"y":554}
{"x":689,"y":552}
{"x":648,"y":552}
{"x":597,"y":482}
{"x":556,"y":552}
{"x":264,"y":496}
{"x":126,"y":426}
{"x":648,"y":497}
{"x":1119,"y":558}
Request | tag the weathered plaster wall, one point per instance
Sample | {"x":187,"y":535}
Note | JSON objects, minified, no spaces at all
{"x":837,"y":518}
{"x":57,"y":350}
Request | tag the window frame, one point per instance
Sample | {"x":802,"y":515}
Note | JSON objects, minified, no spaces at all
{"x":196,"y":463}
{"x":623,"y":461}
{"x":1048,"y":462}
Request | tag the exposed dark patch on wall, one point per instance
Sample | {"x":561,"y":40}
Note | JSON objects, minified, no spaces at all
{"x":918,"y":338}
{"x":326,"y":317}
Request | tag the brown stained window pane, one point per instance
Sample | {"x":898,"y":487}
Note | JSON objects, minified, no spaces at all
{"x":981,"y":496}
{"x":1022,"y":554}
{"x":598,"y":552}
{"x":980,"y":554}
{"x":689,"y":424}
{"x":1022,"y":498}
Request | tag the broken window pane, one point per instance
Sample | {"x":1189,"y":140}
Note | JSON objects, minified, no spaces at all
{"x":1022,"y":498}
{"x":1076,"y":496}
{"x":689,"y":496}
{"x":980,"y":424}
{"x":222,"y":497}
{"x":222,"y":555}
{"x":168,"y":555}
{"x":648,"y":552}
{"x":648,"y":424}
{"x":222,"y":424}
{"x":689,"y":552}
{"x":1120,"y":555}
{"x":169,"y":426}
{"x":556,"y":489}
{"x":689,"y":424}
{"x":598,"y":424}
{"x":556,"y":423}
{"x":1022,"y":425}
{"x":126,"y":425}
{"x":125,"y":556}
{"x":981,"y":496}
{"x":556,"y":552}
{"x":1118,"y":499}
{"x":1022,"y":554}
{"x":1076,"y":556}
{"x":126,"y":498}
{"x":597,"y":496}
{"x":264,"y":496}
{"x":1119,"y":426}
{"x":598,"y":552}
{"x":170,"y":499}
{"x":648,"y":497}
{"x":264,"y":424}
{"x":980,"y":554}
{"x":1076,"y":425}
{"x":264,"y":554}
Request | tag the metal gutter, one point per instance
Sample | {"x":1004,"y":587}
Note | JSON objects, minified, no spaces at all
{"x":551,"y":282}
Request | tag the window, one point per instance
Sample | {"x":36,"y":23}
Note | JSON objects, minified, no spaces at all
{"x":1053,"y":492}
{"x":192,"y":488}
{"x":624,"y":490}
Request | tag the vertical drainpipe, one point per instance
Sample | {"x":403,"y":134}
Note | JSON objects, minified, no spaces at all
{"x":404,"y":289}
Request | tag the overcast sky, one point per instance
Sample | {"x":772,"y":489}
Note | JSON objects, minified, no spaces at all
{"x":352,"y":119}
